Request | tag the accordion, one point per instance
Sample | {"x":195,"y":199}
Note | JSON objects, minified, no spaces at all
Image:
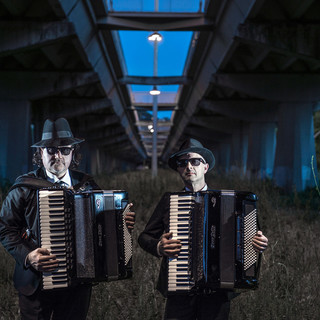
{"x":87,"y":233}
{"x":216,"y":230}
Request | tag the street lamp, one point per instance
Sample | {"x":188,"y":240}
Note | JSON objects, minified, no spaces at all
{"x":154,"y":91}
{"x":155,"y":38}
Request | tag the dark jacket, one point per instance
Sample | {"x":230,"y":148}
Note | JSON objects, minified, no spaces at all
{"x":149,"y":238}
{"x":18,"y":214}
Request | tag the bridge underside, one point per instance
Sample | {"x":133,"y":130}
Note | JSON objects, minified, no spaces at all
{"x":248,"y":92}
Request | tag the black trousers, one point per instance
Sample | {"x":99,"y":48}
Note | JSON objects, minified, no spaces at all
{"x":201,"y":307}
{"x":66,"y":304}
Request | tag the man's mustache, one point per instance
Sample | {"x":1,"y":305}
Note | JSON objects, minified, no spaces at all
{"x":57,"y":161}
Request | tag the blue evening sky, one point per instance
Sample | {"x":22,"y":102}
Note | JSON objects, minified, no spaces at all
{"x":138,"y":51}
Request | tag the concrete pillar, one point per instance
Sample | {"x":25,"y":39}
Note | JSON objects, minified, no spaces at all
{"x":295,"y":147}
{"x":95,"y":167}
{"x":261,"y":150}
{"x":239,"y":151}
{"x":223,"y":161}
{"x":15,"y":139}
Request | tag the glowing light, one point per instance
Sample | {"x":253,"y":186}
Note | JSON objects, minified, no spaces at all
{"x":155,"y":37}
{"x":154,"y":92}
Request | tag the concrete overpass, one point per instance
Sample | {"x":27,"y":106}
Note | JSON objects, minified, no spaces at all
{"x":248,"y":92}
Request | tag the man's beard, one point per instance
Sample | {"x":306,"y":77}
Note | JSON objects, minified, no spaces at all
{"x":58,"y":165}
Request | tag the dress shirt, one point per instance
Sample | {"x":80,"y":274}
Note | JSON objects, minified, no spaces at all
{"x":205,"y":188}
{"x":65,"y":179}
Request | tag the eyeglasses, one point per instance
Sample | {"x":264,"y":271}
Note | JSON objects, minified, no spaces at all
{"x":65,"y":151}
{"x":194,"y":162}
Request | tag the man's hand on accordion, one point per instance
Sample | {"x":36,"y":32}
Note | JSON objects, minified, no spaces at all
{"x":130,"y":218}
{"x":169,"y":247}
{"x":41,"y":260}
{"x":260,"y":242}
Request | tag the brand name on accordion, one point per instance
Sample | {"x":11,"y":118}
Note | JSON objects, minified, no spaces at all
{"x":100,"y":235}
{"x":213,"y":237}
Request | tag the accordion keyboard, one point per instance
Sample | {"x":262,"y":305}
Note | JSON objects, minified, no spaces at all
{"x":250,"y":229}
{"x":127,"y":238}
{"x":53,"y":235}
{"x":179,"y":274}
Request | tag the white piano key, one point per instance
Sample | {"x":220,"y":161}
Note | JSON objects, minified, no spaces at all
{"x":53,"y":235}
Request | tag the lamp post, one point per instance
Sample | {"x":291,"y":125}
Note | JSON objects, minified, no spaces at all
{"x":155,"y":37}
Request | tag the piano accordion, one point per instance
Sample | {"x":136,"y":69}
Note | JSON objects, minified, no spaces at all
{"x":216,"y":230}
{"x":87,"y":233}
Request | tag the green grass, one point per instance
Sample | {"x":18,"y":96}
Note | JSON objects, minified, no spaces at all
{"x":289,"y":278}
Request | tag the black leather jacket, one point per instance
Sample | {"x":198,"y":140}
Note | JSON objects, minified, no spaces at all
{"x":18,"y":215}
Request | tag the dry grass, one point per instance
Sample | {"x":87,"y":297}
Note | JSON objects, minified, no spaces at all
{"x":290,"y":277}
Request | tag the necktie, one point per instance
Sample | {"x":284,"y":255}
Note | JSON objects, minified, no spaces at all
{"x":62,"y":184}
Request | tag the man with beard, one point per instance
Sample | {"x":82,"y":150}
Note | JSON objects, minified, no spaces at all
{"x":192,"y":162}
{"x":57,"y":155}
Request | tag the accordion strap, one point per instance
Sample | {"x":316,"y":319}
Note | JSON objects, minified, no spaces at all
{"x":37,"y":183}
{"x":31,"y":182}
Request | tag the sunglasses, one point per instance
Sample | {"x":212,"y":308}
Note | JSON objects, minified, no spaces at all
{"x":194,"y":162}
{"x":65,"y":151}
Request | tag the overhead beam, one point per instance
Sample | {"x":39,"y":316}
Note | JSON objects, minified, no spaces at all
{"x":216,"y":123}
{"x":244,"y":110}
{"x":291,"y":38}
{"x":154,"y":80}
{"x":100,"y":7}
{"x":113,"y":140}
{"x":16,"y":8}
{"x":103,"y":121}
{"x":148,"y":140}
{"x":36,"y":85}
{"x":160,"y":130}
{"x":22,"y":36}
{"x":120,"y":147}
{"x":206,"y":134}
{"x":148,"y":136}
{"x":296,"y":11}
{"x":148,"y":106}
{"x":74,"y":107}
{"x":259,"y":55}
{"x":273,"y":87}
{"x":155,"y":21}
{"x":160,"y":123}
{"x":107,"y":132}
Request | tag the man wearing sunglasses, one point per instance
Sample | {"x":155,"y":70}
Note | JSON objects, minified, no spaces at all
{"x":57,"y":155}
{"x":192,"y":162}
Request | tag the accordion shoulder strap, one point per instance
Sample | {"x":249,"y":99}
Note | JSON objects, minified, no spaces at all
{"x":31,"y":182}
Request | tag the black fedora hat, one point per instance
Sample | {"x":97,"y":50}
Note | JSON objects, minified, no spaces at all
{"x":57,"y":133}
{"x":192,"y":145}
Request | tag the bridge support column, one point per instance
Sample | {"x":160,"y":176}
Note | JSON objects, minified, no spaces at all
{"x":239,"y":152}
{"x":223,"y":160}
{"x":261,"y":151}
{"x":15,"y":139}
{"x":295,"y":147}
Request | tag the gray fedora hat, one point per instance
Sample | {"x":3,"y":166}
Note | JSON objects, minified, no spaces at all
{"x":192,"y":145}
{"x":57,"y":133}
